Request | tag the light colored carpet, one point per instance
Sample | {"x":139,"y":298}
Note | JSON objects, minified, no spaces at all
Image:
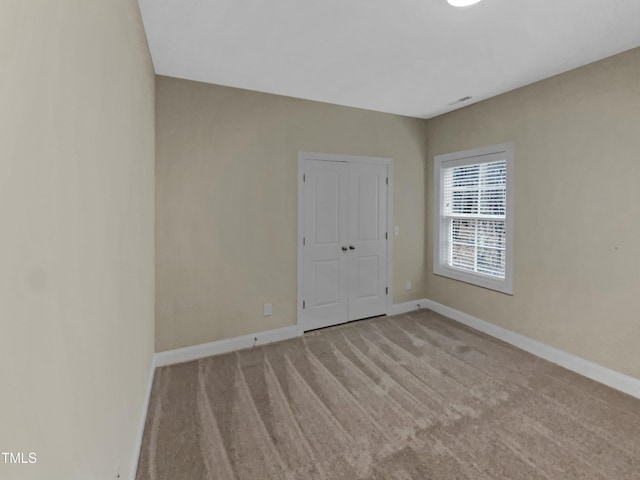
{"x":415,"y":396}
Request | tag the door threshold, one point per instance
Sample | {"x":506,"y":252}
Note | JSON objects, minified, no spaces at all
{"x":345,"y":323}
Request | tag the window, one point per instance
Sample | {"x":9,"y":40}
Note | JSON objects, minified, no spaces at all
{"x":474,"y":217}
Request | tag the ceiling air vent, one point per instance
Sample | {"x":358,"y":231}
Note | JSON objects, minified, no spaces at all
{"x":460,"y":100}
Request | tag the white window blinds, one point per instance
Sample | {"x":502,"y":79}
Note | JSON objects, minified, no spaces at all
{"x":474,"y":211}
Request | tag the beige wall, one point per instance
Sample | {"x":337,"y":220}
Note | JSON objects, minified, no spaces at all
{"x":577,"y":210}
{"x":76,"y":249}
{"x":226,"y":232}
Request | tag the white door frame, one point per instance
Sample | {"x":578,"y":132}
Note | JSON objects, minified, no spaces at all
{"x":302,"y":158}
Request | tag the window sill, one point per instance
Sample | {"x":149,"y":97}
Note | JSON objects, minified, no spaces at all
{"x":476,"y":279}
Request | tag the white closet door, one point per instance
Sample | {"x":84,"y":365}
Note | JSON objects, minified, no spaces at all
{"x":367,"y":240}
{"x":326,"y":259}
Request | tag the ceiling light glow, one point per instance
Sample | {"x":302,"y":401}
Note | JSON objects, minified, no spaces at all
{"x":462,"y":3}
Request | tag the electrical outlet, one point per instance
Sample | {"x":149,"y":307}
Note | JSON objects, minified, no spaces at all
{"x":267,"y":309}
{"x":396,"y":230}
{"x":407,"y":286}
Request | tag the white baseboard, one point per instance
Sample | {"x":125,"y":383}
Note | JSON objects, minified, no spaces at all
{"x":594,"y":371}
{"x":400,"y":308}
{"x":145,"y":408}
{"x":187,"y":354}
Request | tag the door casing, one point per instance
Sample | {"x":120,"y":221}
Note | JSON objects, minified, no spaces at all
{"x":388,"y":162}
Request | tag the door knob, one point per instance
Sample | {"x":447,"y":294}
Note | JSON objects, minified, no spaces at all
{"x":351,"y":247}
{"x":344,"y":249}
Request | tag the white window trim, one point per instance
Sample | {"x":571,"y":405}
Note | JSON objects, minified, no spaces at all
{"x":505,"y":151}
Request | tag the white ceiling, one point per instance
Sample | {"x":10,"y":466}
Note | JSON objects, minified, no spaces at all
{"x":409,"y":57}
